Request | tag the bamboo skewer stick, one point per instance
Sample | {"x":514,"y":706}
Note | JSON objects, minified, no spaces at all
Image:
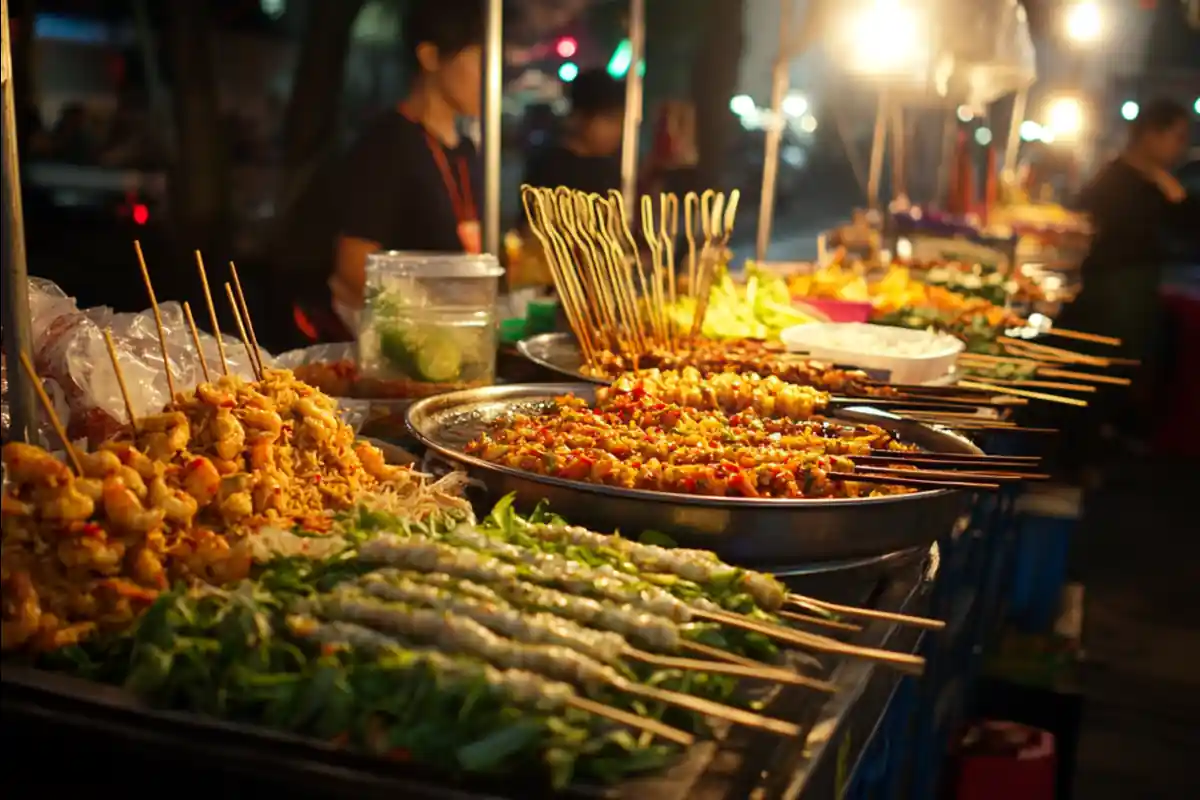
{"x":708,"y":707}
{"x":913,"y":483}
{"x":711,"y":221}
{"x":983,"y":357}
{"x":256,"y":357}
{"x":758,"y":672}
{"x":647,"y":724}
{"x":162,"y":336}
{"x":51,"y":414}
{"x":212,"y":313}
{"x":866,"y":613}
{"x":670,"y":230}
{"x":999,"y":477}
{"x":237,"y":317}
{"x":657,"y":291}
{"x":1046,"y":351}
{"x":191,"y":322}
{"x":902,"y":661}
{"x":716,"y":654}
{"x":1067,"y":333}
{"x":964,"y":457}
{"x":821,"y":622}
{"x":691,"y":204}
{"x":600,"y":300}
{"x":621,"y":224}
{"x":1060,"y":385}
{"x":946,"y":464}
{"x":598,"y":213}
{"x":116,"y":365}
{"x":1085,"y":376}
{"x":536,"y":214}
{"x":613,"y":271}
{"x":1051,"y":398}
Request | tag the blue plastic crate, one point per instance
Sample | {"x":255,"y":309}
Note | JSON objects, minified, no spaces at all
{"x":1045,"y":523}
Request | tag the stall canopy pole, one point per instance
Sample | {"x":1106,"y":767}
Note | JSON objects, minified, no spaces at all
{"x":1012,"y":146}
{"x":633,"y":103}
{"x":493,"y":89}
{"x":947,"y":163}
{"x":878,"y":143}
{"x":17,"y":336}
{"x":899,"y":154}
{"x":779,"y":89}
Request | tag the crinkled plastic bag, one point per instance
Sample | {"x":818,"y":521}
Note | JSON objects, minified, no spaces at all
{"x":71,"y":357}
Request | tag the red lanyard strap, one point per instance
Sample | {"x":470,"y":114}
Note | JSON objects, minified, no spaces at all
{"x":460,"y":197}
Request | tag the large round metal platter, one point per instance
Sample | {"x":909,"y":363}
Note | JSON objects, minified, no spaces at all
{"x":559,"y":353}
{"x":759,"y":532}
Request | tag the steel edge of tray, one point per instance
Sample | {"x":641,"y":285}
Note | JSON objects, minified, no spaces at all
{"x":749,"y":531}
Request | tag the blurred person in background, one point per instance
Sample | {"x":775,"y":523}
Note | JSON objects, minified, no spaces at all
{"x":587,"y":156}
{"x":1134,"y":203}
{"x":71,"y":140}
{"x":412,"y":181}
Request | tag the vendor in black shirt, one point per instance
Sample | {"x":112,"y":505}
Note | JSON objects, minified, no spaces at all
{"x":587,"y":156}
{"x":1135,"y":204}
{"x":412,"y":182}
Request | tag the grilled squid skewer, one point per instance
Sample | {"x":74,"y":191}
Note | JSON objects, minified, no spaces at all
{"x":520,"y":687}
{"x":698,"y":566}
{"x":460,"y":634}
{"x":539,"y":628}
{"x":655,"y":631}
{"x":510,"y":563}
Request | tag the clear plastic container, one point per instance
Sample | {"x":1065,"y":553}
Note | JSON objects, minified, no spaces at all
{"x":430,"y":319}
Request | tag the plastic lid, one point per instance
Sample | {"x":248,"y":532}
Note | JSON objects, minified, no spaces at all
{"x":542,"y":316}
{"x":512,"y":330}
{"x":396,"y":263}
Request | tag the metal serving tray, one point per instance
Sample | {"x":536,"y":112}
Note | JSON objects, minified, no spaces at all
{"x":763,"y":533}
{"x":558,"y":353}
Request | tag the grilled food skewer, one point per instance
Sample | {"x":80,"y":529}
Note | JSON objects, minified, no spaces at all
{"x":521,"y":686}
{"x":864,"y":613}
{"x":48,"y":406}
{"x":456,"y":633}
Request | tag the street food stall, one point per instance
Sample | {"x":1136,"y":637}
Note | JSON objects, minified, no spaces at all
{"x":210,"y":570}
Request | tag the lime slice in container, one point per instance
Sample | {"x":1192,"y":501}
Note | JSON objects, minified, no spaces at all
{"x":439,"y":359}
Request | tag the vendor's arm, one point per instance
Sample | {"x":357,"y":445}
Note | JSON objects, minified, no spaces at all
{"x":371,"y":206}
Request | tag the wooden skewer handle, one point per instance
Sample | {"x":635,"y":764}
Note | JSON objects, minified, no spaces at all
{"x":870,"y":613}
{"x":1096,"y":338}
{"x":1052,"y":398}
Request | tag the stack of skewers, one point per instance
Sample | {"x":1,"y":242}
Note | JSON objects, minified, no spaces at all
{"x":618,"y":301}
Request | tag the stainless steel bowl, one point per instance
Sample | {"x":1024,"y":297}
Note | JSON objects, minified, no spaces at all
{"x":754,"y":532}
{"x":559,"y":353}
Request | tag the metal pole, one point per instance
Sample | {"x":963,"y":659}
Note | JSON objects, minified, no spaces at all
{"x":17,"y":336}
{"x":946,"y":163}
{"x":899,"y":154}
{"x":633,"y":104}
{"x":878,"y":143}
{"x":779,"y":89}
{"x":1012,"y":146}
{"x":493,"y":89}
